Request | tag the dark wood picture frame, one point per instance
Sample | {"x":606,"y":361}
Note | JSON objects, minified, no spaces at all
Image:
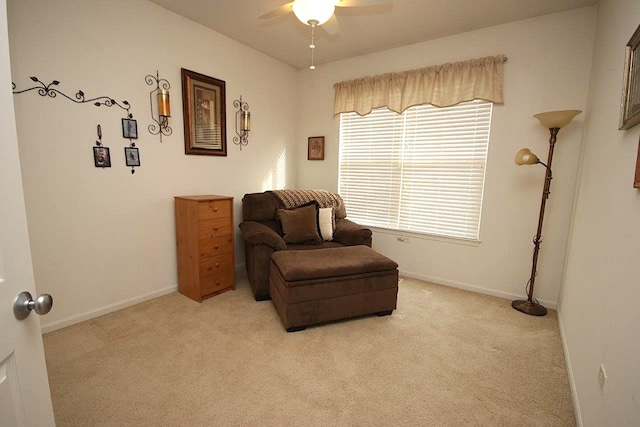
{"x":315,"y":148}
{"x":205,"y":118}
{"x":132,"y":156}
{"x":101,"y":157}
{"x":630,"y":106}
{"x":129,"y":129}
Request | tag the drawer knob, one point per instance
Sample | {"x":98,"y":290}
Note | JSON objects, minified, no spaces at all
{"x":217,"y":264}
{"x":217,"y":282}
{"x":215,"y":209}
{"x":216,"y":247}
{"x":216,"y":228}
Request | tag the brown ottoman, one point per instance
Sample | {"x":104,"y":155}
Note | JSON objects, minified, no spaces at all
{"x":314,"y":286}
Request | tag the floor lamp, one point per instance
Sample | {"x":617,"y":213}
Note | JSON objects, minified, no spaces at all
{"x":552,"y":120}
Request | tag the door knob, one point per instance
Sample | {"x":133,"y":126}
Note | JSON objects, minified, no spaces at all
{"x":24,"y":303}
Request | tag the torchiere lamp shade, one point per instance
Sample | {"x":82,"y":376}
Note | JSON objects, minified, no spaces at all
{"x":556,"y":119}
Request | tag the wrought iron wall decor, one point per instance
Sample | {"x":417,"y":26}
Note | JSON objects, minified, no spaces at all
{"x":163,"y":109}
{"x":243,"y":122}
{"x":101,"y":156}
{"x":52,"y":92}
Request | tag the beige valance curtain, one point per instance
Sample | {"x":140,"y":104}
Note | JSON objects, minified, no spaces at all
{"x":439,"y":85}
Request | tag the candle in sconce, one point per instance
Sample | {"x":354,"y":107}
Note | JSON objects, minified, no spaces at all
{"x":164,"y":107}
{"x":246,"y":121}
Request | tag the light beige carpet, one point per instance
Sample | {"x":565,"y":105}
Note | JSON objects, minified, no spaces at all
{"x":445,"y":357}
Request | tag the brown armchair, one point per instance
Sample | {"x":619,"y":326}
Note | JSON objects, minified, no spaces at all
{"x":262,"y":235}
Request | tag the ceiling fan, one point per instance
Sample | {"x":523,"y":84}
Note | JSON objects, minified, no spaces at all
{"x":315,"y":13}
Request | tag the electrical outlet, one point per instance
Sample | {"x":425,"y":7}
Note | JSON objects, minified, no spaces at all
{"x":602,"y":377}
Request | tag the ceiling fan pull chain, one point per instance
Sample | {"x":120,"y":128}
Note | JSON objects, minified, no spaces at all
{"x":313,"y":45}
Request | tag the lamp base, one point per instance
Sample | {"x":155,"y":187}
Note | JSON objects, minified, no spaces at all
{"x":529,"y":307}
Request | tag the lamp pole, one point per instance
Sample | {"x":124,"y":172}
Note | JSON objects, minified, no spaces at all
{"x":554,"y":121}
{"x":528,"y":306}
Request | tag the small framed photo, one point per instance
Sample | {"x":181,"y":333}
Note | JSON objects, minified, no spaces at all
{"x":630,"y":106}
{"x":101,"y":157}
{"x":132,"y":156}
{"x":316,"y":148}
{"x":129,"y":129}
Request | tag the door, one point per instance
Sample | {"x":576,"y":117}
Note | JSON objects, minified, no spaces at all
{"x":24,"y":387}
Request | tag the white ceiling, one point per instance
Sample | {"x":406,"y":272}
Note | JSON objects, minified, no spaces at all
{"x":362,"y":29}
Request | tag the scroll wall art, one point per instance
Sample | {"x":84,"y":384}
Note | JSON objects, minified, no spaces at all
{"x":101,"y":154}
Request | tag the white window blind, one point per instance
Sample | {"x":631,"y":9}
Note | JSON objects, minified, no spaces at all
{"x":420,"y":171}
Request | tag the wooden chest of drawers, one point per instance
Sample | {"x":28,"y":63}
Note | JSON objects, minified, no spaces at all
{"x":204,"y":236}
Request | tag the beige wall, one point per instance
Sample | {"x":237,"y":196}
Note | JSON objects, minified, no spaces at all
{"x":548,"y":69}
{"x":599,"y":312}
{"x":102,"y":239}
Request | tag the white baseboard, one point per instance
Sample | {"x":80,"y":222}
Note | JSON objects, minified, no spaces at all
{"x":72,"y":320}
{"x":472,"y":288}
{"x":572,"y":381}
{"x":240,"y":270}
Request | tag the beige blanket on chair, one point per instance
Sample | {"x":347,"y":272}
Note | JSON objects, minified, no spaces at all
{"x":325,"y":199}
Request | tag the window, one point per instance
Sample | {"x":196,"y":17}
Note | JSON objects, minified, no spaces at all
{"x":420,"y":171}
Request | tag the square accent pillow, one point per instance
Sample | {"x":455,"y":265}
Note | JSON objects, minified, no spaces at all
{"x":326,"y":223}
{"x":300,"y":225}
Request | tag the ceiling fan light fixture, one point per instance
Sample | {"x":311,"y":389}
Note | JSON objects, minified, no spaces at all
{"x":314,"y":10}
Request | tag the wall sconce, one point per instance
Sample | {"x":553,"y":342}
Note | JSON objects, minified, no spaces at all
{"x":243,"y":122}
{"x":552,"y":120}
{"x":163,"y":106}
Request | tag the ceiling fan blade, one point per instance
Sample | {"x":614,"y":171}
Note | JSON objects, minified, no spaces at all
{"x":280,"y":10}
{"x":359,"y":3}
{"x":331,"y":26}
